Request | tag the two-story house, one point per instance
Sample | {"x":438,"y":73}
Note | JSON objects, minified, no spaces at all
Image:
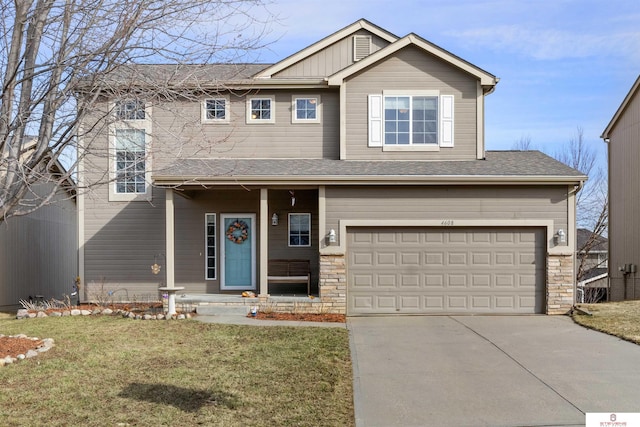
{"x":622,"y":136}
{"x":364,"y":154}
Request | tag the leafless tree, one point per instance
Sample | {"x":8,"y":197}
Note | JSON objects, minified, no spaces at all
{"x":591,"y":201}
{"x":53,"y":50}
{"x":523,"y":144}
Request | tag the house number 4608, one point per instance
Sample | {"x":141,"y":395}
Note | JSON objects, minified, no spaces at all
{"x":447,"y":222}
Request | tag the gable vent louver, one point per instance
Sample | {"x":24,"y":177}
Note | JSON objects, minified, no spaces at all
{"x":361,"y":47}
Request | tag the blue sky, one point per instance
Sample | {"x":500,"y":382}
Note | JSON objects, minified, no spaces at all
{"x":562,"y":64}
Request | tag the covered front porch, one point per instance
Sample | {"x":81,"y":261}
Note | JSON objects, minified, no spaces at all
{"x":222,"y":242}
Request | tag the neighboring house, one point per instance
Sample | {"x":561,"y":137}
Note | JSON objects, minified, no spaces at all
{"x":622,"y":136}
{"x":363,"y":153}
{"x":592,"y":261}
{"x":39,"y":251}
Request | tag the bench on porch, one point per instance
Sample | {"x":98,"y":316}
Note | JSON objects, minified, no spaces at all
{"x":285,"y":271}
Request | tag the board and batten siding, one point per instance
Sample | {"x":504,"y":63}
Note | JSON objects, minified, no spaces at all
{"x":39,"y":252}
{"x":624,"y":200}
{"x":446,"y":203}
{"x":331,"y":59}
{"x":411,"y":69}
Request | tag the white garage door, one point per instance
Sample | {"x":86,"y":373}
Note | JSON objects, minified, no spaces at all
{"x":445,"y":270}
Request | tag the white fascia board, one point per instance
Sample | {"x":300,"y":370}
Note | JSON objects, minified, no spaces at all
{"x":486,"y":79}
{"x":324,"y":43}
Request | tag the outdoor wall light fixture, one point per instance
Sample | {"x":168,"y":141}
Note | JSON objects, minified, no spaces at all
{"x":561,"y":237}
{"x":274,"y":219}
{"x":332,"y":236}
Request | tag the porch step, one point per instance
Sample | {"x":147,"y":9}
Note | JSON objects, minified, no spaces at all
{"x":219,"y":310}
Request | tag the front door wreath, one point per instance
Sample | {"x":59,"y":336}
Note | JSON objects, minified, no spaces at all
{"x":238,"y":232}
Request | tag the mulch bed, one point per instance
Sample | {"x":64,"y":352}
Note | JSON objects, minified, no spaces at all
{"x":13,"y":346}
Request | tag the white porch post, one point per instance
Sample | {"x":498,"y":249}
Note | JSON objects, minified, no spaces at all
{"x":170,"y":252}
{"x":264,"y":241}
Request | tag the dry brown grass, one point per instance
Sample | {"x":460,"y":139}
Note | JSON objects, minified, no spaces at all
{"x":108,"y":371}
{"x":621,"y":319}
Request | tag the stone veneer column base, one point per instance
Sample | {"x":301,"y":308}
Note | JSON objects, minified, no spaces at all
{"x":560,"y":280}
{"x":333,"y":283}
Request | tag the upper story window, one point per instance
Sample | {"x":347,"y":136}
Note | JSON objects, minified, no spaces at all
{"x":410,"y":120}
{"x":215,"y":110}
{"x":413,"y":120}
{"x":305,"y":109}
{"x":129,"y":148}
{"x":261,"y":110}
{"x":130,"y":157}
{"x":130,"y":109}
{"x":299,"y":229}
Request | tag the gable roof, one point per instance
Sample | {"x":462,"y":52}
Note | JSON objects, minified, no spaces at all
{"x":325,"y":42}
{"x":634,"y":89}
{"x":500,"y":167}
{"x":487,"y":80}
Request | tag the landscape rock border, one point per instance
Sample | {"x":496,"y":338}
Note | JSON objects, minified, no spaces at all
{"x":47,"y":344}
{"x":26,"y":314}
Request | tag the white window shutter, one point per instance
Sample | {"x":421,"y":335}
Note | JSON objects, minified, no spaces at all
{"x":375,"y":120}
{"x":446,"y":121}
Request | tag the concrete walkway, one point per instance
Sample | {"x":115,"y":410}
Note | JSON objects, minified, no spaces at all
{"x":488,"y":371}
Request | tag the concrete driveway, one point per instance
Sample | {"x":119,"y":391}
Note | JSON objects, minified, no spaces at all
{"x":488,"y":371}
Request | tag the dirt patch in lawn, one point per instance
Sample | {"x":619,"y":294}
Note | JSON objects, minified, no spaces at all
{"x":301,"y":317}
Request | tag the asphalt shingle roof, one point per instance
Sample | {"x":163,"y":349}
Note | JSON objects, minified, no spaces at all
{"x":497,"y":164}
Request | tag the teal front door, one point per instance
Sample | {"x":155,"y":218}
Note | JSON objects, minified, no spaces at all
{"x":238,"y":252}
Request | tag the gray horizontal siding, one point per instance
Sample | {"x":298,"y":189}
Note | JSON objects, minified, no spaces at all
{"x":121,"y":239}
{"x":411,"y":69}
{"x":330,"y":60}
{"x":120,"y":242}
{"x":178,"y":131}
{"x":442,"y":203}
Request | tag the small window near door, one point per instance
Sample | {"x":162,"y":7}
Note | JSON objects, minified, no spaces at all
{"x":299,"y":229}
{"x":210,"y":246}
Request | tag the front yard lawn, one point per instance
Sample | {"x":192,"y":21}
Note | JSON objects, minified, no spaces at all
{"x":107,"y":370}
{"x":621,"y":319}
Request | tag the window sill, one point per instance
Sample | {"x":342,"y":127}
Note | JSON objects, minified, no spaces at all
{"x":216,"y":122}
{"x":430,"y":147}
{"x":129,"y":197}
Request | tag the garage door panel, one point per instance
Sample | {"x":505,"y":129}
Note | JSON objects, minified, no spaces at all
{"x":481,"y":302}
{"x":481,"y":258}
{"x":434,"y":280}
{"x":469,"y":270}
{"x":362,"y":258}
{"x":480,"y":280}
{"x":386,"y":281}
{"x":386,"y":258}
{"x":410,"y":281}
{"x":434,"y":258}
{"x":362,"y":281}
{"x":457,"y":258}
{"x":457,"y":280}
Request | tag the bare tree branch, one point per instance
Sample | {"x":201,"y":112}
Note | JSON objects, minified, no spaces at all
{"x":57,"y":58}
